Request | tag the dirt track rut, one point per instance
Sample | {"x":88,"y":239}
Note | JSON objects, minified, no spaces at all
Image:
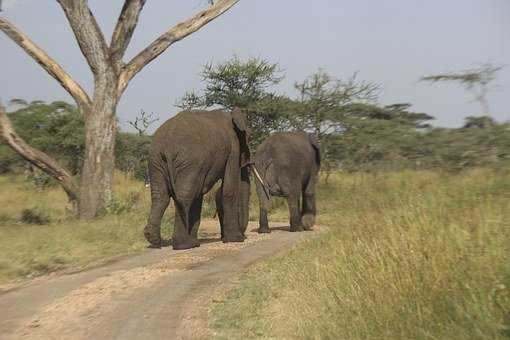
{"x":160,"y":294}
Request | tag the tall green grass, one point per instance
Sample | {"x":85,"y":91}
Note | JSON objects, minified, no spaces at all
{"x":410,"y":255}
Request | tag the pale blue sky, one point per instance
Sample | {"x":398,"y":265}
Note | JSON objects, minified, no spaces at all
{"x":392,"y":42}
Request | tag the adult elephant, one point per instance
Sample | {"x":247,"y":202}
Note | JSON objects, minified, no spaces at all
{"x":189,"y":154}
{"x":287,"y":165}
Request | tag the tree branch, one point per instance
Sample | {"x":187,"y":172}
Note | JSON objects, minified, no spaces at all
{"x":124,"y":29}
{"x":37,"y":157}
{"x":43,"y":59}
{"x":88,"y":35}
{"x":176,"y":33}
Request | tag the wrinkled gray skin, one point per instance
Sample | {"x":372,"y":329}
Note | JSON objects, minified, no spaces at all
{"x":288,"y":163}
{"x":189,"y":154}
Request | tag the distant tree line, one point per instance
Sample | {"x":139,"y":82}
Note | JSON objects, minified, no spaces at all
{"x":57,"y":128}
{"x":356,"y":133}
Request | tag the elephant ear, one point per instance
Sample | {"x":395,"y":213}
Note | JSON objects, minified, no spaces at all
{"x":315,"y":143}
{"x":243,"y":133}
{"x":240,"y":120}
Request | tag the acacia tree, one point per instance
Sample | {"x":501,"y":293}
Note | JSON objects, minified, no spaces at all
{"x":324,"y":102}
{"x":475,"y":80}
{"x":111,"y":77}
{"x":244,"y":84}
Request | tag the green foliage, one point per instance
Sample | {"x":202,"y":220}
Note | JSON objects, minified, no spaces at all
{"x":38,"y":179}
{"x":237,"y":83}
{"x":468,"y":147}
{"x":270,"y":114}
{"x":132,"y":153}
{"x":475,"y":80}
{"x":55,"y":128}
{"x":116,"y":206}
{"x":398,"y":113}
{"x":373,"y":144}
{"x":324,"y":102}
{"x":243,"y":84}
{"x":58,"y":130}
{"x":355,"y":132}
{"x":482,"y":122}
{"x":8,"y":159}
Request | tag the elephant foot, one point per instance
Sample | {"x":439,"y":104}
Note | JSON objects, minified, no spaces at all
{"x":264,"y":230}
{"x":182,"y":245}
{"x":153,"y":236}
{"x":233,"y":238}
{"x":297,"y":228}
{"x":308,"y":221}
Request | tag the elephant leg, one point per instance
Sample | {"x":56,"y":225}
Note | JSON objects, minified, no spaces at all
{"x":309,"y":210}
{"x":230,"y":201}
{"x":294,"y":212}
{"x":182,"y":238}
{"x":263,"y":222}
{"x":160,"y":198}
{"x":264,"y":206}
{"x":196,"y":210}
{"x":218,"y":197}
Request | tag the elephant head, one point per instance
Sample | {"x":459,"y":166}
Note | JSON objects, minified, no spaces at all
{"x":243,"y":133}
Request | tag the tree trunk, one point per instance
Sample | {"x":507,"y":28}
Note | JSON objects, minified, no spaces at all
{"x":99,"y":162}
{"x":111,"y":77}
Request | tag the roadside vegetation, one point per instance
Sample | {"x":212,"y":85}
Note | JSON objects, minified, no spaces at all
{"x":409,"y":255}
{"x":39,"y":232}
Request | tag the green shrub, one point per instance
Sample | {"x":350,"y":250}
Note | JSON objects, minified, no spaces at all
{"x":39,"y":180}
{"x":35,"y":216}
{"x":115,"y":206}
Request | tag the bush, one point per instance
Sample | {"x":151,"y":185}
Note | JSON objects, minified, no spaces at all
{"x":114,"y":206}
{"x":39,"y":180}
{"x":132,"y":154}
{"x":35,"y":216}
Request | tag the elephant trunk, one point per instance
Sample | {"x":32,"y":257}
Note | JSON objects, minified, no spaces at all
{"x":244,"y":199}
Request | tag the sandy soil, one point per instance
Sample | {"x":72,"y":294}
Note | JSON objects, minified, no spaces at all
{"x":161,"y":294}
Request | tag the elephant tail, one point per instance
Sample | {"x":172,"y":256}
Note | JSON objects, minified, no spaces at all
{"x":169,"y":171}
{"x":261,"y":181}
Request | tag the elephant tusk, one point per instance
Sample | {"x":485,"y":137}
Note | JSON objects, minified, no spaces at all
{"x":260,"y":180}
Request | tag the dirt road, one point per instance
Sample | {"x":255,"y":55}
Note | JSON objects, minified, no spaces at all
{"x":161,"y":294}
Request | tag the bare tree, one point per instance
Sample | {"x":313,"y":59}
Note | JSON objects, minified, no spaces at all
{"x":475,"y":80}
{"x":143,"y":122}
{"x":111,"y":77}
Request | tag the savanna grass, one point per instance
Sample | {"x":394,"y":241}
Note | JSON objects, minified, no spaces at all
{"x":410,"y":255}
{"x":28,"y":250}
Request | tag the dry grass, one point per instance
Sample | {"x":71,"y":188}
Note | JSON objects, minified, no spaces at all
{"x":28,"y":250}
{"x":411,"y":255}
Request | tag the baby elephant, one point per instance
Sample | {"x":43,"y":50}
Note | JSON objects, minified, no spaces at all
{"x":287,"y":165}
